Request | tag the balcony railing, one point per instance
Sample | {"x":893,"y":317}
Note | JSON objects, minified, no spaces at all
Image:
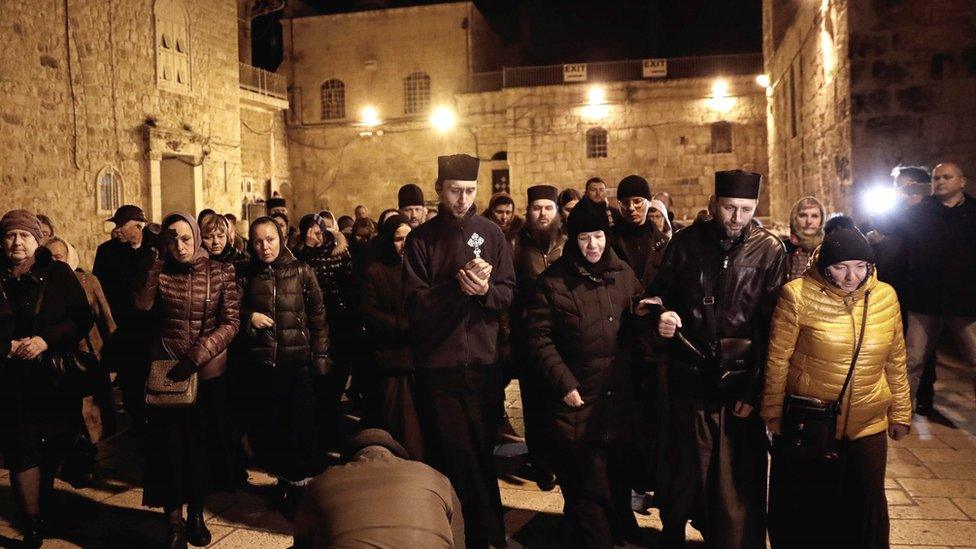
{"x":263,"y":82}
{"x":617,"y":71}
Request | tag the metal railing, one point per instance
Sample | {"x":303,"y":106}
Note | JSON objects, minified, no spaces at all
{"x":617,"y":71}
{"x":263,"y":82}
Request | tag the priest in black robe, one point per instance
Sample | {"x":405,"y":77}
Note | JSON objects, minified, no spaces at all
{"x":458,"y":280}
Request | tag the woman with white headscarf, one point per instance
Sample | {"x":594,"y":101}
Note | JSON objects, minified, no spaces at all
{"x":658,"y":213}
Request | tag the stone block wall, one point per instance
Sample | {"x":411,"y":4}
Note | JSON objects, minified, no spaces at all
{"x":809,"y":113}
{"x":913,"y":85}
{"x":660,"y":130}
{"x":861,"y":87}
{"x":76,"y":89}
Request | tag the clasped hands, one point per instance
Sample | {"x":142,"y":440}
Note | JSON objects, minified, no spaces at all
{"x":473,"y":277}
{"x":27,"y":348}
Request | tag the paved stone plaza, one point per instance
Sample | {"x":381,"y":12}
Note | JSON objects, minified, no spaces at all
{"x":931,"y":492}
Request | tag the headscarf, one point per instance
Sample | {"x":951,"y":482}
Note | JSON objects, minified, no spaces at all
{"x":659,"y":206}
{"x":264,"y":220}
{"x":198,"y":252}
{"x":797,"y":238}
{"x":72,"y":259}
{"x":384,"y":240}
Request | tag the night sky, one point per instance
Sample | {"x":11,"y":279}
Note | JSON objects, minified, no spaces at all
{"x":557,"y":31}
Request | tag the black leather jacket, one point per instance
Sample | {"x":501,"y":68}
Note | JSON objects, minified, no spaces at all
{"x":737,"y":283}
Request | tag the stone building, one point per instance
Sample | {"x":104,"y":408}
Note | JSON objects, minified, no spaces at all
{"x":529,"y":125}
{"x":130,"y":101}
{"x":858,"y":88}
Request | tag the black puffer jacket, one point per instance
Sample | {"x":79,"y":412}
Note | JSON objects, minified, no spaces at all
{"x":743,"y":283}
{"x":332,"y":264}
{"x":580,"y":331}
{"x":286,"y":291}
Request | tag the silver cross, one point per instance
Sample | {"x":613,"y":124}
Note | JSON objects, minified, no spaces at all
{"x":475,"y":242}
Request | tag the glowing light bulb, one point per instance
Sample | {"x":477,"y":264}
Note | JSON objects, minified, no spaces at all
{"x":443,"y":119}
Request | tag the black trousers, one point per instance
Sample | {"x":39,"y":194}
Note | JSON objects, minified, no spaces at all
{"x":716,"y":475}
{"x":840,"y":503}
{"x":596,"y":490}
{"x":457,"y":409}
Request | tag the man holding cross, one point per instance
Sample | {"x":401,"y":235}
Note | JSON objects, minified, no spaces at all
{"x":458,"y":280}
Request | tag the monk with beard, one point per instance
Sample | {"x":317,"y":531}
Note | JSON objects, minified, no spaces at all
{"x":537,"y":245}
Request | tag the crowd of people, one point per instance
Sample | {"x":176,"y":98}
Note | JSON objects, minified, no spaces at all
{"x":654,"y":360}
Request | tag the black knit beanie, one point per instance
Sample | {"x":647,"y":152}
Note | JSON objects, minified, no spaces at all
{"x":843,"y":244}
{"x":633,"y":186}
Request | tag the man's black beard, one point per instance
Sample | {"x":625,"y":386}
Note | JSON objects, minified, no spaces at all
{"x":545,"y":235}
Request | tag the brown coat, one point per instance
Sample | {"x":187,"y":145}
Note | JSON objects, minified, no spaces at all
{"x":379,"y":500}
{"x":104,"y":323}
{"x":176,"y":293}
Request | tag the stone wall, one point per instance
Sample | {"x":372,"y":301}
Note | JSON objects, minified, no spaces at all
{"x":913,"y":85}
{"x":861,"y":87}
{"x":264,"y":150}
{"x":660,"y":130}
{"x":69,"y":108}
{"x":809,"y":117}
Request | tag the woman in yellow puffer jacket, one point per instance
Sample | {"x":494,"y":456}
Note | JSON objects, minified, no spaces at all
{"x":839,"y":502}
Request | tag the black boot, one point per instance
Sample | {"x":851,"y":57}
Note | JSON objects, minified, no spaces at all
{"x":196,"y":529}
{"x":176,"y":536}
{"x":33,"y":533}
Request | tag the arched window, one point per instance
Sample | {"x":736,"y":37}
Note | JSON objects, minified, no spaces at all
{"x":172,"y":46}
{"x":596,"y":143}
{"x":108,"y":190}
{"x":721,"y":137}
{"x":500,"y":155}
{"x":333,"y":100}
{"x":416,"y":93}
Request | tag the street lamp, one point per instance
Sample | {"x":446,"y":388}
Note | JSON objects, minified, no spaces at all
{"x":762,"y":80}
{"x":720,"y":88}
{"x":596,"y":95}
{"x":443,"y":119}
{"x":369,"y":116}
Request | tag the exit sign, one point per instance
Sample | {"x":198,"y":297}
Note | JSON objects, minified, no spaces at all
{"x":575,"y":72}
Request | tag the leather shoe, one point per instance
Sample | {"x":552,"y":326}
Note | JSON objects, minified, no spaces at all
{"x":33,"y":533}
{"x":196,"y":530}
{"x":176,"y":536}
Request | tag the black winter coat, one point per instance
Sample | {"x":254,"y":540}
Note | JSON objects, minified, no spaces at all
{"x":332,"y":264}
{"x":450,"y":328}
{"x":63,"y":318}
{"x":580,"y":334}
{"x":639,"y":246}
{"x":381,"y":303}
{"x":742,"y":283}
{"x":285,"y":290}
{"x":939,"y":247}
{"x":118,"y":267}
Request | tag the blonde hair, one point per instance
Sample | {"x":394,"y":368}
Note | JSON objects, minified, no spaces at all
{"x":214,"y":223}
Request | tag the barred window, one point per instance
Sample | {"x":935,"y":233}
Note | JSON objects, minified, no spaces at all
{"x":333,"y":100}
{"x":172,"y":46}
{"x":596,"y":143}
{"x":721,"y":138}
{"x":416,"y":93}
{"x":108,"y":188}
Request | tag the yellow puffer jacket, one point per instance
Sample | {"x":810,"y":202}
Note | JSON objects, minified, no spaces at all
{"x":813,"y":335}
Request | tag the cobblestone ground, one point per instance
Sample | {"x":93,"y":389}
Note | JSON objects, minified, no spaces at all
{"x":931,"y":491}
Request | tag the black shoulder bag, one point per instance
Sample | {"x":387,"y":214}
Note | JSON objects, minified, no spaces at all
{"x":809,"y":425}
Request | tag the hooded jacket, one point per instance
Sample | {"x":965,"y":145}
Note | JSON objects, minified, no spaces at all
{"x":814,"y":331}
{"x":580,"y":333}
{"x":285,"y":290}
{"x":176,"y":295}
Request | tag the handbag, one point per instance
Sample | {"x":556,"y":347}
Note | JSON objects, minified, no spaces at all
{"x":809,"y":425}
{"x":163,"y":392}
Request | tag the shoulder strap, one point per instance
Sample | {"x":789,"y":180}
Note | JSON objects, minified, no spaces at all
{"x":857,"y":349}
